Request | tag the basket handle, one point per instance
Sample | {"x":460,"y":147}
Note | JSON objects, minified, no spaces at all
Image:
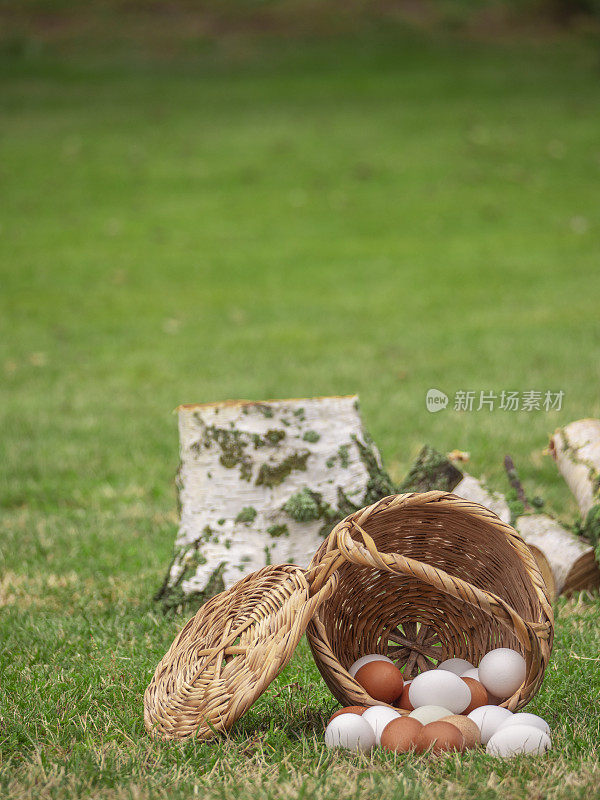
{"x":489,"y":603}
{"x":318,"y":575}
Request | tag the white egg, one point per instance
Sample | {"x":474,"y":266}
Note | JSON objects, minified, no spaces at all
{"x":367,"y":660}
{"x":525,"y":718}
{"x":488,"y":719}
{"x":438,"y":687}
{"x":471,"y":673}
{"x":427,"y":714}
{"x":518,"y":740}
{"x":502,"y":671}
{"x":456,"y":665}
{"x":378,"y":717}
{"x":351,"y":732}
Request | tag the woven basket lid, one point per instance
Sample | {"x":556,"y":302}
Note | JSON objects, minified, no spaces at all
{"x":230,"y":651}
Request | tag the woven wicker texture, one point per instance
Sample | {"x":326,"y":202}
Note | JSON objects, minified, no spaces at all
{"x":230,"y":651}
{"x":426,"y":577}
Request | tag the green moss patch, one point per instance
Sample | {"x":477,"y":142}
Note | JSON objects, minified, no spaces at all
{"x":233,"y":445}
{"x":311,"y":436}
{"x":278,"y":530}
{"x":247,"y":515}
{"x":379,"y":484}
{"x":431,"y":470}
{"x":274,"y":474}
{"x":344,"y":455}
{"x":171,"y":595}
{"x":304,"y":506}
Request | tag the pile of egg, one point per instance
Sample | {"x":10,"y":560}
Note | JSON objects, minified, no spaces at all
{"x":452,"y":708}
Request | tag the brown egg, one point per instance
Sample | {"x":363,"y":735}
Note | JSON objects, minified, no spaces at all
{"x":348,"y":710}
{"x":403,"y":701}
{"x":441,"y":737}
{"x":467,"y":727}
{"x":381,"y":681}
{"x":479,"y":695}
{"x":399,"y":735}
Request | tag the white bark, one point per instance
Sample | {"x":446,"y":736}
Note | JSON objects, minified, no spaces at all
{"x":576,"y":450}
{"x":563,"y":549}
{"x":264,"y":482}
{"x":471,"y":489}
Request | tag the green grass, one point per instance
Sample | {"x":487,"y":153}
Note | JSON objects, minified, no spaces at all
{"x":379,"y":215}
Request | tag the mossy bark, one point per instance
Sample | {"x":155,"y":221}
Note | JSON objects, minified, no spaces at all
{"x":431,"y":470}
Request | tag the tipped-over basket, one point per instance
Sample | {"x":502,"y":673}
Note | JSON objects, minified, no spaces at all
{"x":423,"y":578}
{"x":417,"y":577}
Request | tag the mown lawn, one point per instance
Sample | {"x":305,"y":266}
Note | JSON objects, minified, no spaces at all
{"x":378,"y":215}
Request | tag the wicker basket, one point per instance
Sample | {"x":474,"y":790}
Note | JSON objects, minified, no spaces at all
{"x":423,"y":578}
{"x":231,"y":650}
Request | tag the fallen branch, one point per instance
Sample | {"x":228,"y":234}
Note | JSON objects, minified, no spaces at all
{"x":513,"y":479}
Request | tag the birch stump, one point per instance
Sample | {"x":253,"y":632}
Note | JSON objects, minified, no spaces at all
{"x":264,"y":482}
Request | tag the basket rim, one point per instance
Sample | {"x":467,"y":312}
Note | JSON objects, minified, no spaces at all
{"x":447,"y":500}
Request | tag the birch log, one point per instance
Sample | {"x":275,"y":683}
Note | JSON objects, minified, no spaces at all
{"x":566,"y":561}
{"x":432,"y":470}
{"x":530,"y":526}
{"x":576,"y":450}
{"x":263,"y":483}
{"x":473,"y":489}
